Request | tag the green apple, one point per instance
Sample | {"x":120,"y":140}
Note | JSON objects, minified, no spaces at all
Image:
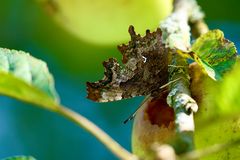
{"x":106,"y":22}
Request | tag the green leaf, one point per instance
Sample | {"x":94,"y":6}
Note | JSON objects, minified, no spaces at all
{"x":20,"y":158}
{"x":218,"y":120}
{"x":214,"y":53}
{"x":26,"y":78}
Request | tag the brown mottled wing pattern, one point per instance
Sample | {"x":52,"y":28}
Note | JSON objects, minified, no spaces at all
{"x":144,"y":70}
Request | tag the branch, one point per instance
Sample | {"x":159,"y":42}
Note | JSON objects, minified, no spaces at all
{"x":84,"y":123}
{"x":166,"y":152}
{"x":197,"y":154}
{"x":184,"y":106}
{"x":176,"y":35}
{"x":198,"y":28}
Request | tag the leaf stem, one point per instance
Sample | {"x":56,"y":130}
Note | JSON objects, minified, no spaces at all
{"x":197,"y":154}
{"x":89,"y":126}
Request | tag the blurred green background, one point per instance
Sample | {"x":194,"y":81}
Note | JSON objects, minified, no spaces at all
{"x":24,"y":130}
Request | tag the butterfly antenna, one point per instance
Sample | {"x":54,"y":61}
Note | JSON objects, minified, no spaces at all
{"x":146,"y":98}
{"x":135,"y":112}
{"x":169,"y":83}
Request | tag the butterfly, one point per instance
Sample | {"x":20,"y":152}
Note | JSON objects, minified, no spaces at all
{"x":144,"y":70}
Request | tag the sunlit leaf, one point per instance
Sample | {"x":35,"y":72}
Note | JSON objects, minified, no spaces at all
{"x":214,"y":53}
{"x":105,"y":21}
{"x":26,"y":78}
{"x":20,"y":158}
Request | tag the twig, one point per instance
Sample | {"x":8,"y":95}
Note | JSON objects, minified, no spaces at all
{"x":197,"y":154}
{"x":164,"y":152}
{"x":176,"y":35}
{"x":184,"y":106}
{"x":198,"y":28}
{"x":84,"y":123}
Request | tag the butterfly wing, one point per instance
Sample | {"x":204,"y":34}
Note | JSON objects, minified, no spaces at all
{"x":144,"y":70}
